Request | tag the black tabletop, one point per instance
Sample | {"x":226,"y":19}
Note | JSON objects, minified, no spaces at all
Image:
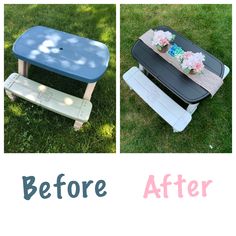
{"x":168,"y":75}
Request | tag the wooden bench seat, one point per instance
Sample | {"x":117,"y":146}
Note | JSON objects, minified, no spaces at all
{"x":161,"y":103}
{"x":64,"y":104}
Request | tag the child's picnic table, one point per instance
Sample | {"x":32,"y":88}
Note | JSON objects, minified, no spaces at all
{"x":66,"y":54}
{"x":172,"y":79}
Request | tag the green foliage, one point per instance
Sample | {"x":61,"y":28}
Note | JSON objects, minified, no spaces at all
{"x":29,"y":128}
{"x":142,"y":130}
{"x":159,"y":47}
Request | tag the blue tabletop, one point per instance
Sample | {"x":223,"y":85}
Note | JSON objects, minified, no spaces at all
{"x":66,"y":54}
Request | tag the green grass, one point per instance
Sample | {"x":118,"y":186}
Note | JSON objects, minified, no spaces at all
{"x":142,"y":130}
{"x":29,"y":128}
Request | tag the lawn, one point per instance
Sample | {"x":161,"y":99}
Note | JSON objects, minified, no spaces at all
{"x":210,"y":131}
{"x":29,"y":128}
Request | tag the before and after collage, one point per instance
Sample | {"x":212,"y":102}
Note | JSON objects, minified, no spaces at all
{"x":67,"y":91}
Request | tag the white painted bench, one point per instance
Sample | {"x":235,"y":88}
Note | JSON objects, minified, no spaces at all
{"x":161,"y":103}
{"x":64,"y":104}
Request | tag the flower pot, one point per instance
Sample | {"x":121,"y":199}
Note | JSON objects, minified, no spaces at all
{"x":163,"y":49}
{"x":192,"y":72}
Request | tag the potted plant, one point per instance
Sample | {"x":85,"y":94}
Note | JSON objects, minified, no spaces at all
{"x":161,"y":39}
{"x":192,"y":63}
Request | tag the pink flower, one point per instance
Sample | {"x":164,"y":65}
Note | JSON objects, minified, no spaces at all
{"x":198,"y":66}
{"x":164,"y":41}
{"x":187,"y":54}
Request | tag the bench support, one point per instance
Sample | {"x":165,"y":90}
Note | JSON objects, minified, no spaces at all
{"x":87,"y":95}
{"x":11,"y":96}
{"x":23,"y":68}
{"x":77,"y":125}
{"x":192,"y":108}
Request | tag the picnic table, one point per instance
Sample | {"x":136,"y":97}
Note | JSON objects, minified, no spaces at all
{"x":175,"y":81}
{"x":69,"y":55}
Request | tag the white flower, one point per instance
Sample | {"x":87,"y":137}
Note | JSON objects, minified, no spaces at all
{"x":161,"y":37}
{"x":168,"y":35}
{"x":199,"y":56}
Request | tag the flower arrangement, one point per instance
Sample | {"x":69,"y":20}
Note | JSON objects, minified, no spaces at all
{"x":161,"y":39}
{"x":191,"y":62}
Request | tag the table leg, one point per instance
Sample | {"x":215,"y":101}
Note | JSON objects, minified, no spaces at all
{"x":23,"y":68}
{"x":87,"y":95}
{"x":141,"y":67}
{"x":89,"y":91}
{"x":192,"y":108}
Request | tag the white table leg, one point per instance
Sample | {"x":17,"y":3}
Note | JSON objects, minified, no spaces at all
{"x":89,"y":90}
{"x":141,"y":67}
{"x":23,"y":68}
{"x":192,"y":108}
{"x":87,"y":95}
